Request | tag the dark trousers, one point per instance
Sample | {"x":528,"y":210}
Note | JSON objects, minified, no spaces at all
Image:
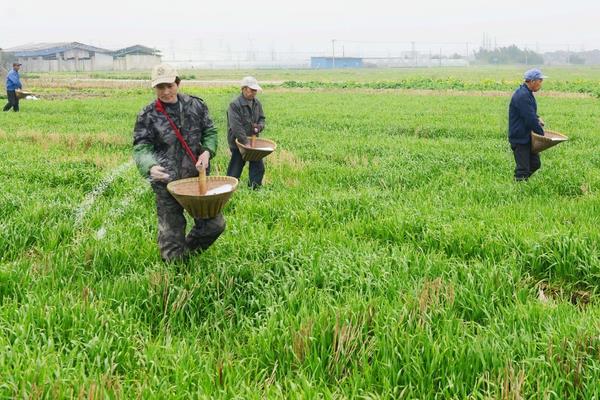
{"x":526,"y":161}
{"x":236,"y":165}
{"x":13,"y":101}
{"x":173,"y":243}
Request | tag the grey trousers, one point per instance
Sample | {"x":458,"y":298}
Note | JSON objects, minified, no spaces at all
{"x":173,"y":243}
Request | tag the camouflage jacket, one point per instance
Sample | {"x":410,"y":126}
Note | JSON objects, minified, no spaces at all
{"x":155,"y":142}
{"x":240,"y":117}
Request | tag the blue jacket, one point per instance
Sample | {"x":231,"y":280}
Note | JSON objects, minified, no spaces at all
{"x":522,"y":116}
{"x":12,"y":80}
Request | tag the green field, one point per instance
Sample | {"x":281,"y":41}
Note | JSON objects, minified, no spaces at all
{"x":390,"y":254}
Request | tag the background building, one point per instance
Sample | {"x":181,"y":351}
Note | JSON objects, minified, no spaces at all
{"x":136,"y":57}
{"x":337,"y":62}
{"x":57,"y":57}
{"x":75,"y":56}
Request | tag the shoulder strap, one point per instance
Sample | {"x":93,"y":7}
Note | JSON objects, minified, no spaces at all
{"x":160,"y":108}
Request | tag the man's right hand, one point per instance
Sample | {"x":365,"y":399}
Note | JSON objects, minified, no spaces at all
{"x":159,"y":174}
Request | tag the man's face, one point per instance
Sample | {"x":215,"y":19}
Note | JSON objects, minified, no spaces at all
{"x":166,"y":92}
{"x":17,"y":67}
{"x":535,"y":85}
{"x":249,"y":94}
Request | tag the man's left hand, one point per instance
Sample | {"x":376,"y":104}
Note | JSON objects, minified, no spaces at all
{"x":203,"y":160}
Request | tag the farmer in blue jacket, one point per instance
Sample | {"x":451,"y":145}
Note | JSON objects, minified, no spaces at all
{"x":12,"y":84}
{"x":522,"y":120}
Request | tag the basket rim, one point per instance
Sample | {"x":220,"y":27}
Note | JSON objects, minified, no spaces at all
{"x":253,"y":148}
{"x":552,"y":132}
{"x":231,"y":179}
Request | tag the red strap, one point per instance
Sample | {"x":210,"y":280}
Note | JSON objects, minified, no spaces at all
{"x":159,"y":107}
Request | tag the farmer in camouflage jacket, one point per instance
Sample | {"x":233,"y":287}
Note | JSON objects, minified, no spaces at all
{"x":161,"y":158}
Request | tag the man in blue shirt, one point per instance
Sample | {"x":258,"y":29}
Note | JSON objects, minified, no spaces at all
{"x":522,"y":120}
{"x":12,"y":84}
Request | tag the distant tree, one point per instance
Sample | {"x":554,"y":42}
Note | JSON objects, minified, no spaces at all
{"x":508,"y":55}
{"x":3,"y":70}
{"x":576,"y":59}
{"x":6,"y":58}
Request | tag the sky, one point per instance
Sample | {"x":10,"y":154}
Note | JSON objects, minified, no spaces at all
{"x":184,"y":29}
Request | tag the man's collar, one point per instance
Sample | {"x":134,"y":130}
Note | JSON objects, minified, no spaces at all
{"x":527,"y":87}
{"x":183,"y":98}
{"x":244,"y":101}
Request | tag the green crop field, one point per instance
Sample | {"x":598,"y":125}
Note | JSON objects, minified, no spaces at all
{"x":390,"y":254}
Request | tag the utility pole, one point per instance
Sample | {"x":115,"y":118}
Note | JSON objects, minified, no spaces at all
{"x":414,"y":52}
{"x":250,"y":55}
{"x":333,"y":53}
{"x":200,"y":49}
{"x":172,"y":48}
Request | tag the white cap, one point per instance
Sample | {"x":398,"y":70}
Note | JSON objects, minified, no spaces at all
{"x":251,"y":82}
{"x":163,"y":73}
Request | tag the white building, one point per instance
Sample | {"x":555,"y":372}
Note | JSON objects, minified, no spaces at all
{"x":136,"y":57}
{"x":74,"y":56}
{"x":52,"y":57}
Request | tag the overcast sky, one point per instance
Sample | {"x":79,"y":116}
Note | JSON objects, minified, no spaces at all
{"x":185,"y":28}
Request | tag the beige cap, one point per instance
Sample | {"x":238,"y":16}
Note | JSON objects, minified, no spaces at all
{"x":251,"y":82}
{"x":163,"y":73}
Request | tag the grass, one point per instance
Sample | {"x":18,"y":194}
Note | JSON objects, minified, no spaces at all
{"x":389,"y":256}
{"x":472,"y":74}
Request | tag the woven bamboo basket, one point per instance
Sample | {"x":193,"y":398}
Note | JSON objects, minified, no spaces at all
{"x":540,"y":143}
{"x":21,"y":94}
{"x":262,"y":148}
{"x":187,"y":193}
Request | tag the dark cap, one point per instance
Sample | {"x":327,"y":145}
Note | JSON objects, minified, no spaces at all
{"x":16,"y":64}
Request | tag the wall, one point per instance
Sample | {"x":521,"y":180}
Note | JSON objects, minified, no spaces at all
{"x":135,"y":62}
{"x":77,"y":61}
{"x":342,"y":62}
{"x":102,"y":62}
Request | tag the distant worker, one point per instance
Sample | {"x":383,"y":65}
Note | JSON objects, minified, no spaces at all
{"x":173,"y":137}
{"x":13,"y":83}
{"x":245,"y":118}
{"x":522,"y":120}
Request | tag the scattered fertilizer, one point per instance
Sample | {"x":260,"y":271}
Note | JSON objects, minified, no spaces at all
{"x":220,"y":189}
